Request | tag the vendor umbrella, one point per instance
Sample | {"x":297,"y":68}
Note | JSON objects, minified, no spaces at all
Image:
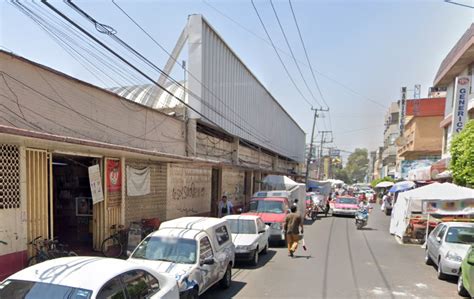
{"x":384,"y":184}
{"x":402,"y":186}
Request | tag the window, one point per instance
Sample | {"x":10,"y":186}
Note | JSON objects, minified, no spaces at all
{"x":205,"y":249}
{"x":112,"y":290}
{"x":460,"y":235}
{"x":442,"y":232}
{"x":242,"y":226}
{"x":140,"y":284}
{"x":40,"y":290}
{"x":10,"y":177}
{"x":222,"y":235}
{"x":260,"y":224}
{"x":177,"y":250}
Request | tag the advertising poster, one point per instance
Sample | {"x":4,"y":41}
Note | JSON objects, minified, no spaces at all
{"x":460,"y":104}
{"x":114,"y":176}
{"x":96,"y":184}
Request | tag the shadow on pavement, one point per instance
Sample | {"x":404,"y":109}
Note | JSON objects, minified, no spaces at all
{"x":450,"y":278}
{"x":309,"y":221}
{"x":263,"y":260}
{"x":217,"y":292}
{"x":368,"y":228}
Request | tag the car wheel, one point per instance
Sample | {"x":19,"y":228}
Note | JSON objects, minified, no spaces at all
{"x":265,"y":249}
{"x":227,"y":279}
{"x":461,"y":289}
{"x":255,"y":258}
{"x":428,"y":260}
{"x":441,"y":275}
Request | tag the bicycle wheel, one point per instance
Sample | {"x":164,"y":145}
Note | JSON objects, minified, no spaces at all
{"x":72,"y":253}
{"x":31,"y":261}
{"x":111,"y":247}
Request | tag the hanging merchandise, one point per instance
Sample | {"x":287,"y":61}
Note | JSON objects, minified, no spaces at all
{"x":138,"y":181}
{"x":96,"y":184}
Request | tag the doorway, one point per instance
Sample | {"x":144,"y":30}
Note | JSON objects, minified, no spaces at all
{"x":215,"y":189}
{"x":72,"y":201}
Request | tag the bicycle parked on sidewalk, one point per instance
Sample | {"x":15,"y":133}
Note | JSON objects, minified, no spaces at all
{"x":47,"y":250}
{"x":116,"y":244}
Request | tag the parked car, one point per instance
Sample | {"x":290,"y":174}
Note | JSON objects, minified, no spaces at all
{"x":250,"y":236}
{"x":88,"y":278}
{"x":198,"y":251}
{"x":345,"y":205}
{"x":466,"y":277}
{"x":447,"y":245}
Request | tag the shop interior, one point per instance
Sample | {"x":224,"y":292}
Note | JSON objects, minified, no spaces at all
{"x":72,"y":201}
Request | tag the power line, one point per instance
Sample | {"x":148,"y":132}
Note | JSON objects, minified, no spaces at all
{"x":292,"y":54}
{"x":278,"y":54}
{"x":287,"y":54}
{"x":307,"y":57}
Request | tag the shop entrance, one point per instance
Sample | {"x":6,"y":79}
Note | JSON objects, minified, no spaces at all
{"x":72,"y":201}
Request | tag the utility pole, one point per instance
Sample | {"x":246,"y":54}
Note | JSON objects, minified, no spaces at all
{"x":310,"y":154}
{"x":321,"y":152}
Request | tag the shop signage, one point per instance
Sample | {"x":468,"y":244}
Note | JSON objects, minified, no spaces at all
{"x":113,"y":176}
{"x":96,"y":184}
{"x":460,"y":104}
{"x":448,"y":207}
{"x":402,"y":111}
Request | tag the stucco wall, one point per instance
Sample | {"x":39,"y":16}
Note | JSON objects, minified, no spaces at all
{"x":41,"y":100}
{"x":233,"y":185}
{"x":189,"y":190}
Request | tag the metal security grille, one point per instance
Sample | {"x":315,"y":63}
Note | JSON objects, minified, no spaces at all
{"x":9,"y":177}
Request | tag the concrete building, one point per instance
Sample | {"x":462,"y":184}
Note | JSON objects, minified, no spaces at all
{"x":76,"y":159}
{"x":390,"y":135}
{"x":458,"y":62}
{"x":378,"y":163}
{"x":371,"y":166}
{"x":421,"y":142}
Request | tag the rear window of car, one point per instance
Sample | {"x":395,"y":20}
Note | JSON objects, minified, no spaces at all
{"x":346,"y":200}
{"x":222,"y":235}
{"x":22,"y":289}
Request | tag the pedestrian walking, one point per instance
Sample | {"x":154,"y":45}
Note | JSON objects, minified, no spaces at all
{"x":293,"y":223}
{"x":225,"y":207}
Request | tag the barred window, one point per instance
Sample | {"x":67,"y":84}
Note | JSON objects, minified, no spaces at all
{"x":9,"y":177}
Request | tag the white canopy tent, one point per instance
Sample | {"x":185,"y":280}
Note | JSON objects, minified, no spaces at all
{"x":411,"y":201}
{"x":278,"y":182}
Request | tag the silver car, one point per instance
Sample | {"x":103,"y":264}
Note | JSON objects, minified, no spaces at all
{"x":447,"y":245}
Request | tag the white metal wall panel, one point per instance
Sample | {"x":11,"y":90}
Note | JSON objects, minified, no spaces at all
{"x":235,"y":99}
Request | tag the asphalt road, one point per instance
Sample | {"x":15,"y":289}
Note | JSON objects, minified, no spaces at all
{"x":341,"y":262}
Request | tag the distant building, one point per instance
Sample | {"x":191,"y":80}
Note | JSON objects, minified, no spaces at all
{"x":390,"y":135}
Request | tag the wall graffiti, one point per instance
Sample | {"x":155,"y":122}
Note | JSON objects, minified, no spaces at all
{"x":187,"y":192}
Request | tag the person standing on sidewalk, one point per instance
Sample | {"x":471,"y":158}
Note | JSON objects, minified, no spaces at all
{"x":225,"y":207}
{"x":293,"y":223}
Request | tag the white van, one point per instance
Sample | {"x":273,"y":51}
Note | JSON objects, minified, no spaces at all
{"x":198,"y":251}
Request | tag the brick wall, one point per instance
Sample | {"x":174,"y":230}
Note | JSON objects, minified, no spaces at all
{"x":152,"y":205}
{"x":189,"y":190}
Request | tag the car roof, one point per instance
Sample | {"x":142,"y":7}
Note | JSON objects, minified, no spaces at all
{"x":85,"y":272}
{"x":195,"y":223}
{"x":181,"y":233}
{"x":242,"y":217}
{"x":270,"y":198}
{"x":461,"y":224}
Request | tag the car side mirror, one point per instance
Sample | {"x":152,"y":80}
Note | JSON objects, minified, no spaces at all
{"x":438,"y":239}
{"x":208,"y":261}
{"x":129,"y":253}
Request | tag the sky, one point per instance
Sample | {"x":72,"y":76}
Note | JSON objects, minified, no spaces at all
{"x":362,"y":51}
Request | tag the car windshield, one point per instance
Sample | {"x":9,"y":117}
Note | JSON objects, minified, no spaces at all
{"x":241,"y":226}
{"x":346,"y":200}
{"x":176,"y":250}
{"x":266,"y":206}
{"x":21,"y":289}
{"x":461,"y":235}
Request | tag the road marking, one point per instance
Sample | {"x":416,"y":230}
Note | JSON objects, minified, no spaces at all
{"x":354,"y":276}
{"x":326,"y":262}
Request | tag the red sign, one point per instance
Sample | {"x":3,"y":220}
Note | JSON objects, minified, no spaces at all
{"x":114,"y":176}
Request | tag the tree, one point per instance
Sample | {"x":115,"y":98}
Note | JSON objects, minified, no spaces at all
{"x":341,"y":174}
{"x":357,"y":165}
{"x":462,"y":156}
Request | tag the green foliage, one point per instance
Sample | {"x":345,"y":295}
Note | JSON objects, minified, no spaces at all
{"x":357,"y":165}
{"x":385,"y":179}
{"x":341,"y":174}
{"x":462,"y":156}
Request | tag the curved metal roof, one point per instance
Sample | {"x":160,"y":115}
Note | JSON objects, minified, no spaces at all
{"x":152,"y":95}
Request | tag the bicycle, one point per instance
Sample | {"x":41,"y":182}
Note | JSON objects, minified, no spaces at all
{"x":47,"y":250}
{"x":118,"y":242}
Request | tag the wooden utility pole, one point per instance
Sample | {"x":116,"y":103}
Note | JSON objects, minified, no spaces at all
{"x":310,"y":154}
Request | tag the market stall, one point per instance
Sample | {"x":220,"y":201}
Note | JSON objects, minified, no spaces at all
{"x":441,"y":199}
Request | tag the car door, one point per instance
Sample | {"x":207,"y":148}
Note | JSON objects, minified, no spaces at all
{"x":430,"y":243}
{"x":262,"y":234}
{"x":208,"y":272}
{"x":437,"y":243}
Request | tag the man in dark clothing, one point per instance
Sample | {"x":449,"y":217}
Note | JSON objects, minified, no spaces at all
{"x":292,"y":224}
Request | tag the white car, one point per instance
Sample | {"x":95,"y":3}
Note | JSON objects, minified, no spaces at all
{"x":88,"y":278}
{"x":250,"y":236}
{"x":447,"y":246}
{"x":197,"y":251}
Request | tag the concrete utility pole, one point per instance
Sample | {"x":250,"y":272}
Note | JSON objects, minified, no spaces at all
{"x":321,"y":151}
{"x":310,"y":154}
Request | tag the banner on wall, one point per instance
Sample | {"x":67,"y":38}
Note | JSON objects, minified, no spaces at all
{"x":138,"y":181}
{"x":448,"y":207}
{"x":461,"y":100}
{"x":96,"y":184}
{"x":114,"y":176}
